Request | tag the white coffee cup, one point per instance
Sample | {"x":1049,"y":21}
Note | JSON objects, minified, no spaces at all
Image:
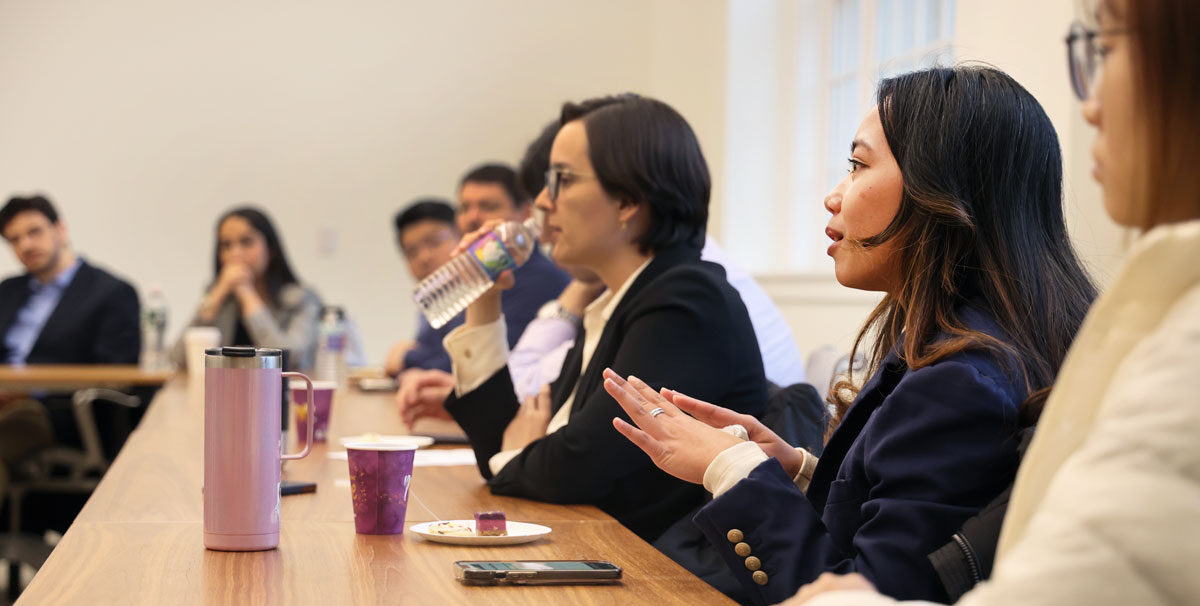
{"x":195,"y":340}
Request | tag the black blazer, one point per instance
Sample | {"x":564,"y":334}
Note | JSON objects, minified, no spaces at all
{"x":679,"y":325}
{"x":95,"y":322}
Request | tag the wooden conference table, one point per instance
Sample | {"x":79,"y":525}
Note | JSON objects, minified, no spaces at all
{"x":63,"y":377}
{"x":139,"y":539}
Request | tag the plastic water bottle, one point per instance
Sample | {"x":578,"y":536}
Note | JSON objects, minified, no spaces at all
{"x":455,"y":285}
{"x":154,"y":328}
{"x":331,"y":346}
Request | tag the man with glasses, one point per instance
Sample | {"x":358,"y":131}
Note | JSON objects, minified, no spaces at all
{"x":427,"y":235}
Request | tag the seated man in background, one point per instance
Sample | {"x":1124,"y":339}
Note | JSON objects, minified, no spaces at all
{"x":62,"y":311}
{"x":538,"y":356}
{"x":486,"y":192}
{"x":426,"y":233}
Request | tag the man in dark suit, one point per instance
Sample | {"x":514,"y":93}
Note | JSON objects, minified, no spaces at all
{"x":61,"y":311}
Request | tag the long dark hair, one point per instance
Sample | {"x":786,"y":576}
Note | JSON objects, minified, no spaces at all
{"x":279,"y":271}
{"x":980,"y":219}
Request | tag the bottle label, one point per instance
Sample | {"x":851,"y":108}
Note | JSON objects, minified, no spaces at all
{"x":491,"y":255}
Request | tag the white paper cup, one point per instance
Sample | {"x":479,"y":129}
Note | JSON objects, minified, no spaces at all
{"x":195,"y":340}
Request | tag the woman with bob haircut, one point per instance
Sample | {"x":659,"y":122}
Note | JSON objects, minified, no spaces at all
{"x":626,"y":197}
{"x":1104,"y":510}
{"x":953,"y":208}
{"x":255,"y":298}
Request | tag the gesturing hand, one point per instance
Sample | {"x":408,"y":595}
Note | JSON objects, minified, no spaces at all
{"x":717,"y":416}
{"x":677,"y":443}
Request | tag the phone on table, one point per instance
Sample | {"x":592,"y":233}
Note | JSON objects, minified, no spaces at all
{"x":287,"y":488}
{"x":537,"y":572}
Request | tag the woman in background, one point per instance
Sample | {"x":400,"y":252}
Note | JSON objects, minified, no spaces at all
{"x":255,"y":298}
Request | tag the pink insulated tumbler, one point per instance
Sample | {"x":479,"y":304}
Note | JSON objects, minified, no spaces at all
{"x":242,"y":447}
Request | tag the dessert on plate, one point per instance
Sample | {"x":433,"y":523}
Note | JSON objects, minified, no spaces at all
{"x":490,"y":524}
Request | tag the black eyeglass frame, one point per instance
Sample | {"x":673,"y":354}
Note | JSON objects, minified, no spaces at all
{"x":554,"y":177}
{"x":1084,"y":57}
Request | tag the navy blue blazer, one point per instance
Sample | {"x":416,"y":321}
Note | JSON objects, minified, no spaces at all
{"x":917,"y":454}
{"x":97,"y":320}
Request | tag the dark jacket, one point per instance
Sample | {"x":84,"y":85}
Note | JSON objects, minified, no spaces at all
{"x":97,"y":320}
{"x":680,"y":325}
{"x":967,"y":559}
{"x":918,"y":453}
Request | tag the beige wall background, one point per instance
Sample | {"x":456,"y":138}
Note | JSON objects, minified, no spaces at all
{"x":145,"y":120}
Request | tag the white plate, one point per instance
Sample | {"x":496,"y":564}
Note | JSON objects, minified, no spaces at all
{"x":419,"y":441}
{"x":518,"y":532}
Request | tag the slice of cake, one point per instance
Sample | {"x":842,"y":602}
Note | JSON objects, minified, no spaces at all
{"x":490,"y":524}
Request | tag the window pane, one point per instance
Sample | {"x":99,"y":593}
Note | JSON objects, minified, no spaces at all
{"x":845,"y":38}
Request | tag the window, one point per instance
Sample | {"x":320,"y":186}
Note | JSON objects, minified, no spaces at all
{"x":819,"y":60}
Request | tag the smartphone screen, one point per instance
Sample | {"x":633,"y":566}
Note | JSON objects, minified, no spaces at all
{"x":563,"y":565}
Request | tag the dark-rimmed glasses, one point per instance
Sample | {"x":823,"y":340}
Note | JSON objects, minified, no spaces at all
{"x":554,"y":179}
{"x":1085,"y":56}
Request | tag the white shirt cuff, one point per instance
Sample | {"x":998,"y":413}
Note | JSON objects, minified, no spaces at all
{"x":500,"y":459}
{"x":732,"y":466}
{"x":804,"y":476}
{"x":476,"y":353}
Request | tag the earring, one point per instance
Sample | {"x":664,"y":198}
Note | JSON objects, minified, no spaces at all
{"x":624,"y":224}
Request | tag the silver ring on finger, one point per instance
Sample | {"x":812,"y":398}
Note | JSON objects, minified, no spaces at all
{"x":656,"y":412}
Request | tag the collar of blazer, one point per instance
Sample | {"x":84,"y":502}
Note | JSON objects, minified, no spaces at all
{"x":587,"y":381}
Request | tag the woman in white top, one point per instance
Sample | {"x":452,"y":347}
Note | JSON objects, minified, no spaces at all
{"x":1106,"y":505}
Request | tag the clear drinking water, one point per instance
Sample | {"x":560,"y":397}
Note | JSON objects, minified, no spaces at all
{"x":455,"y":285}
{"x":154,"y":328}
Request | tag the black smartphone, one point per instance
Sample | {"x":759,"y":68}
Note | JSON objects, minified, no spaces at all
{"x":286,"y":488}
{"x":537,"y":572}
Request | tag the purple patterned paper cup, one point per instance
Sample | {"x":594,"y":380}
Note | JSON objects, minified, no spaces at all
{"x":379,"y":477}
{"x":322,"y":407}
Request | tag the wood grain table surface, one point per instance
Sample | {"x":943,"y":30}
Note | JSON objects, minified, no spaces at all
{"x":72,"y":376}
{"x":139,"y":539}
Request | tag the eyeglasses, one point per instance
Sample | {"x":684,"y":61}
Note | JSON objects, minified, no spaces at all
{"x":557,"y":176}
{"x":1085,"y":56}
{"x":429,"y":242}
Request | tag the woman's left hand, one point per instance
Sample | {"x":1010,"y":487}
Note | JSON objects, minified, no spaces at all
{"x":829,"y":582}
{"x":678,"y":444}
{"x":530,"y":423}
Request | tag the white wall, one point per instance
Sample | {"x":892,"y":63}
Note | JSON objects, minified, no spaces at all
{"x":145,"y":120}
{"x":1024,"y":38}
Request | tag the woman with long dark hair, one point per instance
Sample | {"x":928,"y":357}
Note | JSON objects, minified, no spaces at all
{"x":953,"y":208}
{"x":1106,"y":507}
{"x":255,"y":297}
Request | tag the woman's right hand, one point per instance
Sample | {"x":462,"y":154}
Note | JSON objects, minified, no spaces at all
{"x":717,"y":416}
{"x":232,"y":276}
{"x":485,"y":309}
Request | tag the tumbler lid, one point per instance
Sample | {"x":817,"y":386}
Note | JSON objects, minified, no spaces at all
{"x":243,"y":357}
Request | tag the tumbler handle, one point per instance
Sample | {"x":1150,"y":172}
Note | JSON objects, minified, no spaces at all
{"x":312,"y":407}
